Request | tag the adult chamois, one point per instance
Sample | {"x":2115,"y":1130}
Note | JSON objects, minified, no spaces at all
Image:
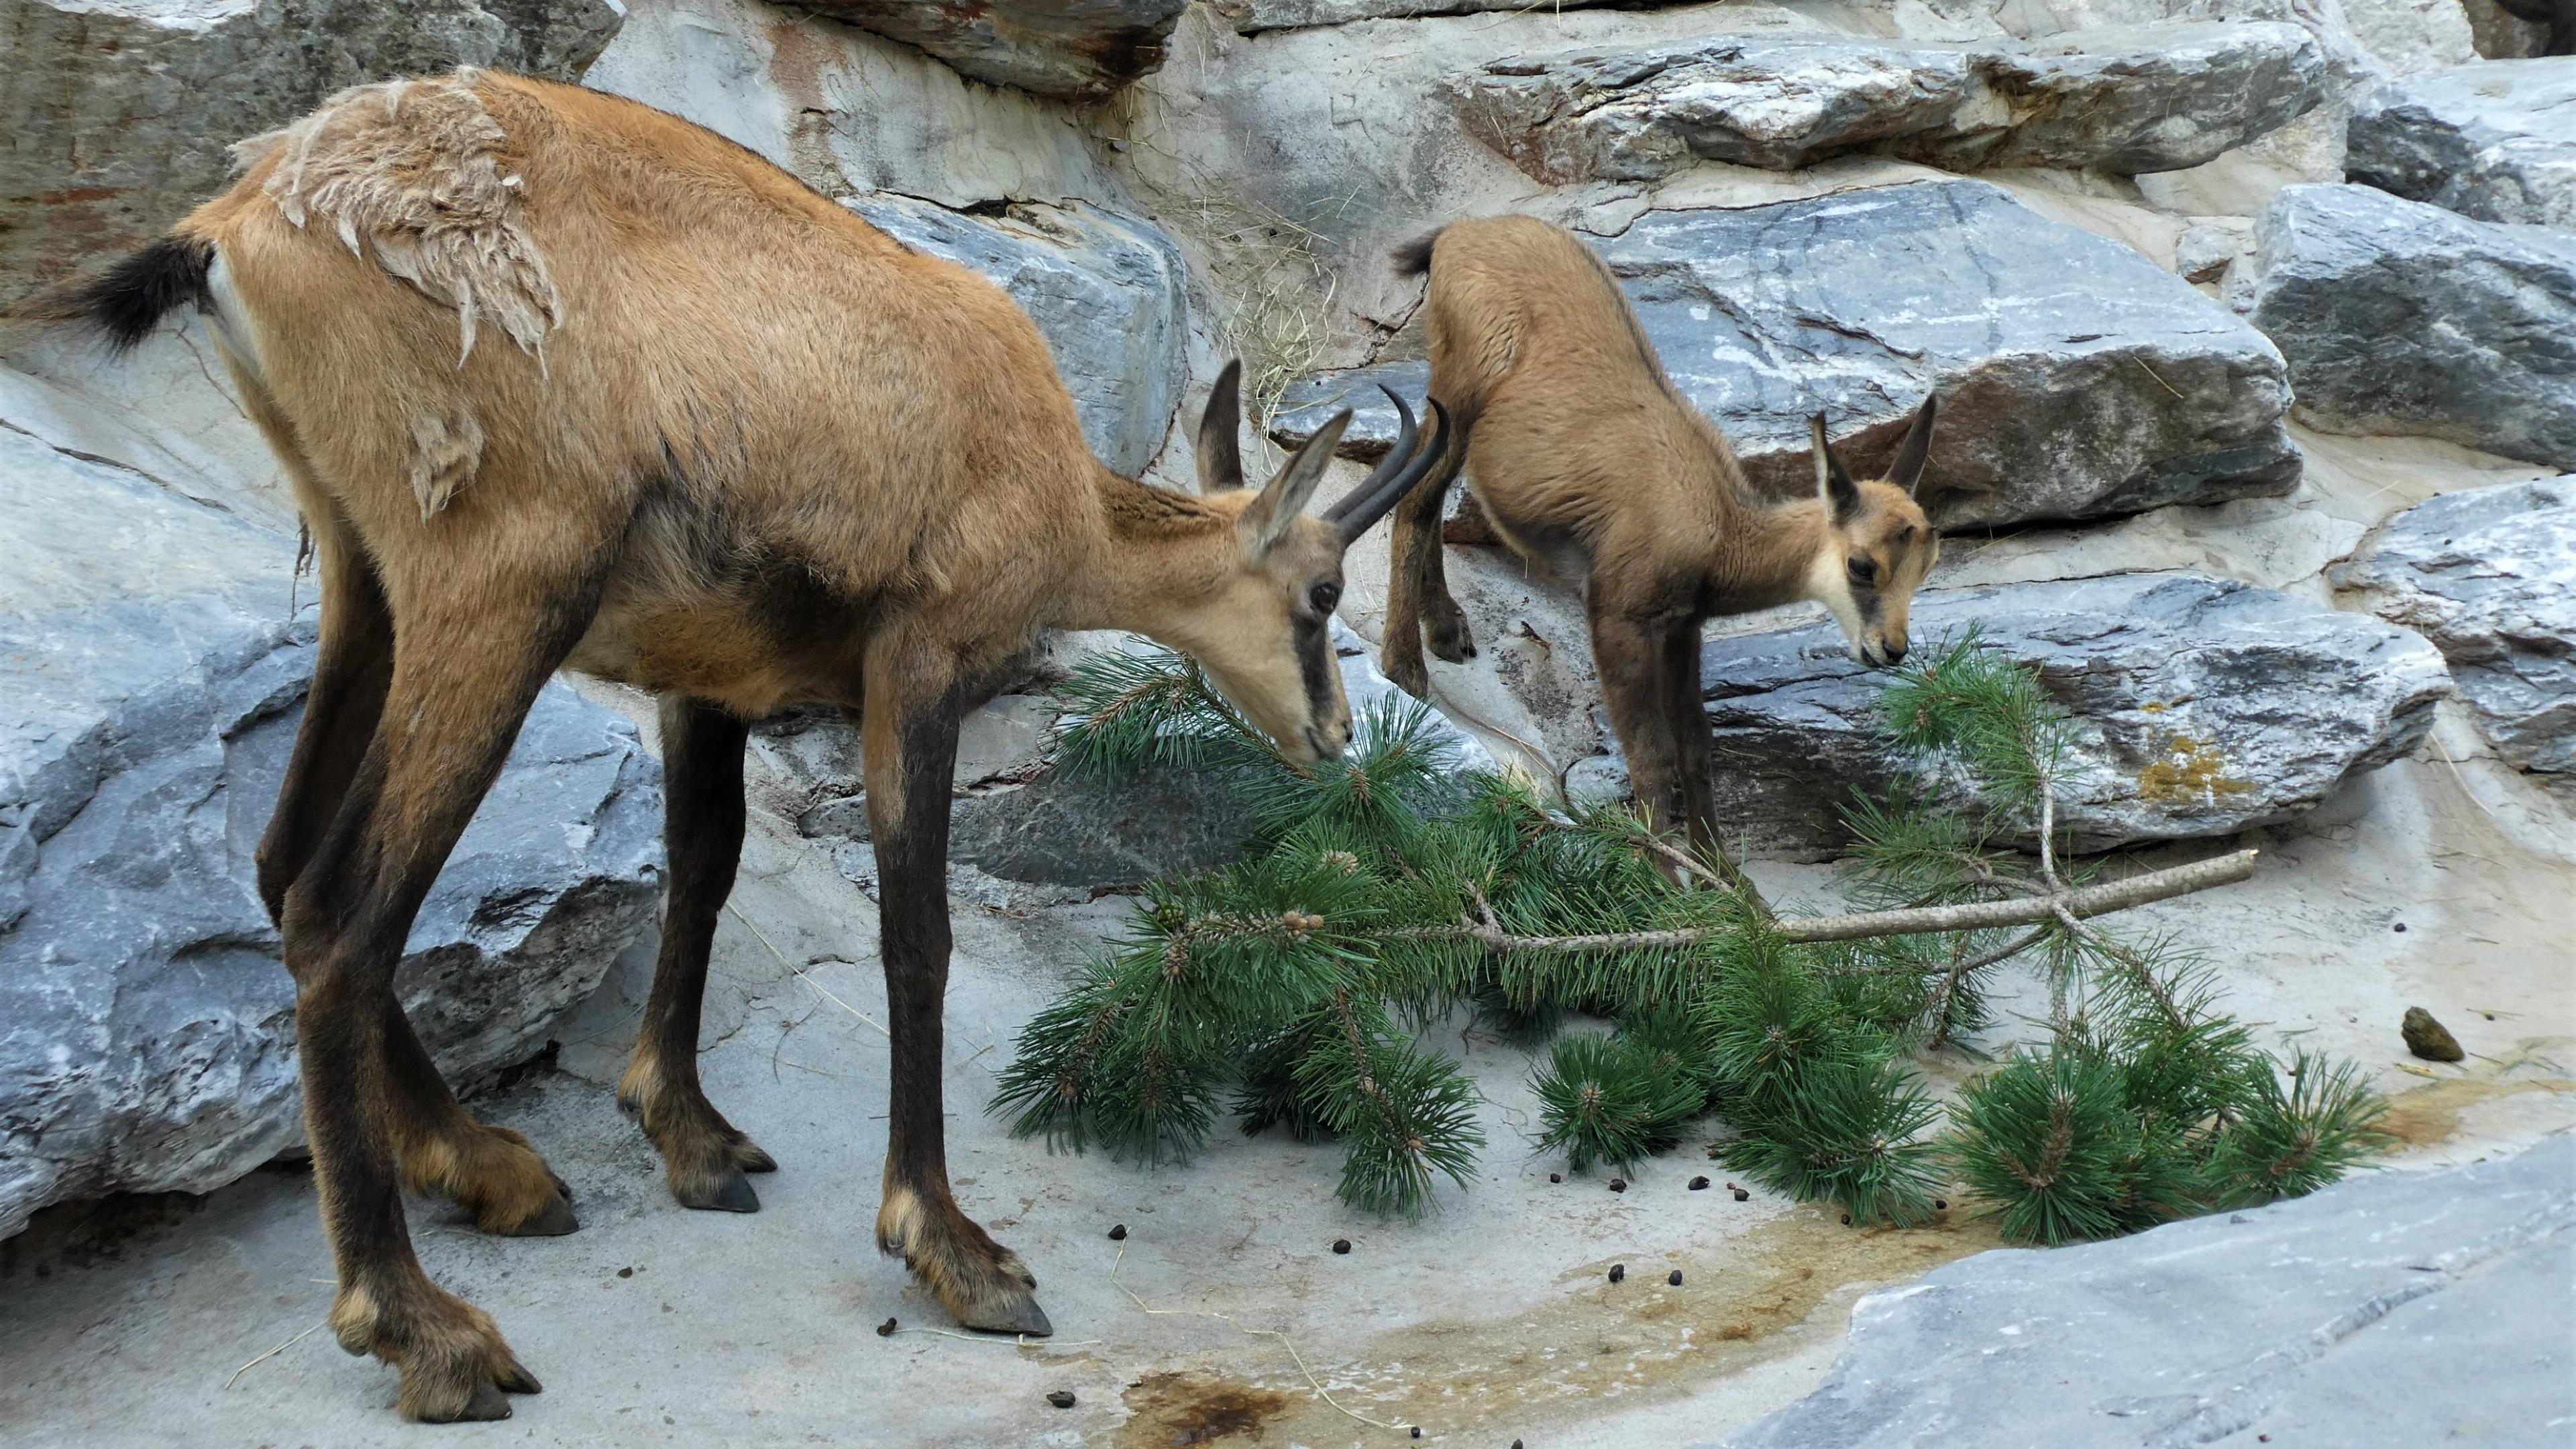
{"x":1589,"y":463}
{"x":732,"y":445}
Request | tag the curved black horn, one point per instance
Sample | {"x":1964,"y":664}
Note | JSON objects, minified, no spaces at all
{"x":1396,"y":457}
{"x":1387,"y":485}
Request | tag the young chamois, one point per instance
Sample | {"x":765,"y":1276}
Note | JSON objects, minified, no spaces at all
{"x":562,"y":380}
{"x":1587,"y":462}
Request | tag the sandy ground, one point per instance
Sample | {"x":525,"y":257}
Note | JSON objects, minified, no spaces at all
{"x":154,"y":1321}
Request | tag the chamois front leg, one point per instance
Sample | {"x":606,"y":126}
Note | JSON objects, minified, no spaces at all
{"x":1417,"y":596}
{"x":1687,"y":713}
{"x":467,"y":666}
{"x":913,"y":709}
{"x":1631,"y":653}
{"x":702,"y":746}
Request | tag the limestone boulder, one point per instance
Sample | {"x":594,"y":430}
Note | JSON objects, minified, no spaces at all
{"x":2203,"y":706}
{"x":1110,"y":293}
{"x":2400,"y":317}
{"x":2489,"y":575}
{"x":119,"y":116}
{"x":153,"y":664}
{"x":2128,"y":99}
{"x":2077,"y":379}
{"x":1250,"y":17}
{"x":2493,"y":140}
{"x":2391,"y":1308}
{"x":1079,"y":50}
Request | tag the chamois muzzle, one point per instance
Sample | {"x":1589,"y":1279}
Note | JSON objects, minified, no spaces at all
{"x":1402,"y":469}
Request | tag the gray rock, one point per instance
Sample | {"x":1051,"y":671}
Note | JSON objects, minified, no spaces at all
{"x":1109,"y":292}
{"x":2392,"y":1308}
{"x":119,"y":115}
{"x":152,"y":675}
{"x":2202,"y":706}
{"x":2129,"y":99}
{"x":2204,"y":253}
{"x":2495,"y":140}
{"x":2398,"y":317}
{"x":2489,"y":575}
{"x":1073,"y":49}
{"x":2077,"y":379}
{"x":1250,"y":17}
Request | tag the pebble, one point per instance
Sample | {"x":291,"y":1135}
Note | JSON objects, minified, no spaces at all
{"x":1699,"y":1184}
{"x":1618,"y":1184}
{"x":1940,"y":1204}
{"x":1556,"y":1177}
{"x":1341,"y":1245}
{"x":1618,"y":1272}
{"x":1061,"y":1398}
{"x":1742,"y":1196}
{"x":1676,"y":1279}
{"x":1118,"y":1234}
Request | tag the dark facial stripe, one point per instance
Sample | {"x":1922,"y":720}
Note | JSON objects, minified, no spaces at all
{"x":1314,"y":645}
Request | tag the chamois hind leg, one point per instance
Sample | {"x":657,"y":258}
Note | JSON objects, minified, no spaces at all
{"x":702,"y":747}
{"x":914,"y":702}
{"x":351,"y":671}
{"x":467,"y":664}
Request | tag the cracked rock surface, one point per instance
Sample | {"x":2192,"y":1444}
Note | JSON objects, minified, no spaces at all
{"x":2354,"y":1316}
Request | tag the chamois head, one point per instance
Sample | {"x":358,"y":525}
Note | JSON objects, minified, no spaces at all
{"x":1877,"y":544}
{"x":1264,"y":630}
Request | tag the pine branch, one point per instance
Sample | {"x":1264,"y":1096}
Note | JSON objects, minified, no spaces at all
{"x":2093,"y":900}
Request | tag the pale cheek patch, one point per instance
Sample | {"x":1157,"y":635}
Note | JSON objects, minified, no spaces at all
{"x":1829,"y":586}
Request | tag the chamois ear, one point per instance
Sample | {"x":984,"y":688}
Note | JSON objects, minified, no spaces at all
{"x":1220,"y":460}
{"x":1907,"y":470}
{"x":1834,"y":483}
{"x":1266,"y":521}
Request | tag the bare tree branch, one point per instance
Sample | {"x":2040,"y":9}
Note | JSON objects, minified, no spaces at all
{"x":2092,"y":900}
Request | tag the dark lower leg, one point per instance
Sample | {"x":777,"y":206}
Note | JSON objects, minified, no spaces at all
{"x":351,"y":670}
{"x":911,"y":749}
{"x":1630,"y":654}
{"x":461,"y":686}
{"x":705,"y":1156}
{"x":1689,"y":724}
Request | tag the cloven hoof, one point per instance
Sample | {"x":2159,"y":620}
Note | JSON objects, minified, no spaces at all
{"x":730,"y":1194}
{"x":551,"y":1221}
{"x":1009,"y":1313}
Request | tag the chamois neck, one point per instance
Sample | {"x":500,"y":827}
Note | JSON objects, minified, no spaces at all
{"x":1150,"y":550}
{"x":1766,"y":553}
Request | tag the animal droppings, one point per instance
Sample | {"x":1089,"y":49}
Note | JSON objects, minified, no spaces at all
{"x":1676,"y":1279}
{"x":886,"y":1329}
{"x":1556,"y":1177}
{"x":625,"y":1272}
{"x":1940,"y":1204}
{"x":1118,"y":1234}
{"x":1341,"y":1245}
{"x":1742,"y":1196}
{"x":1417,"y":1431}
{"x":1618,"y":1272}
{"x":1699,"y":1184}
{"x":2401,"y":928}
{"x":1618,"y":1184}
{"x":1061,"y":1398}
{"x":1847,"y":1220}
{"x":2428,"y":1038}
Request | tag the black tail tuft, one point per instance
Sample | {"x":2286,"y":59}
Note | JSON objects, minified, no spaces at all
{"x":129,"y":299}
{"x":1413,"y":259}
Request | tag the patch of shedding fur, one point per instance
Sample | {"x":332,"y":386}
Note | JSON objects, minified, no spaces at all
{"x":445,"y":453}
{"x":419,"y":173}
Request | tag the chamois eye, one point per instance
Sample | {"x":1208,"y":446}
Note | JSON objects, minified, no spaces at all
{"x":1324,"y":597}
{"x":1864,"y":571}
